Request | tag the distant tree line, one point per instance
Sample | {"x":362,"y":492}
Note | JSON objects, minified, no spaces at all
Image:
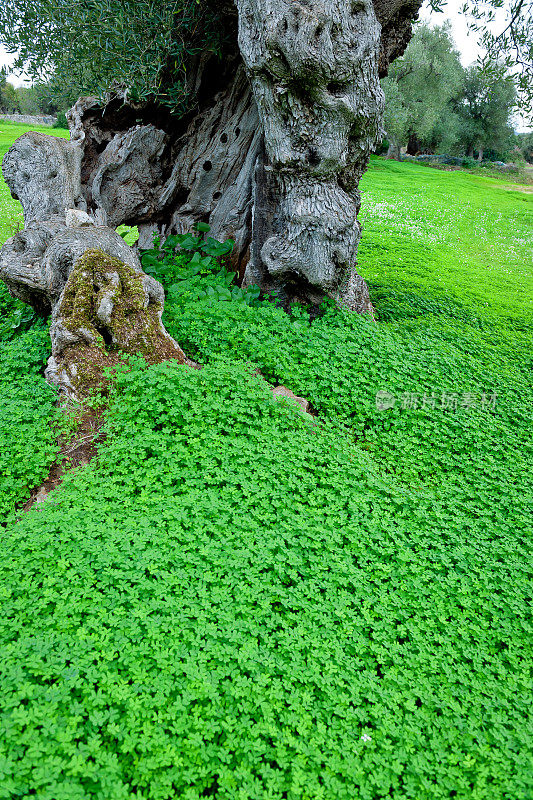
{"x":42,"y":98}
{"x":435,"y":105}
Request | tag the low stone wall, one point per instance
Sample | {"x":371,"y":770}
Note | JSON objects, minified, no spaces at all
{"x":24,"y":119}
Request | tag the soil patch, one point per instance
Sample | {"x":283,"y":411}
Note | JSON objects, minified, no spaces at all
{"x":77,"y":450}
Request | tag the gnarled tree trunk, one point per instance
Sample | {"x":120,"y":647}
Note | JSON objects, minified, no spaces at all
{"x":102,"y":304}
{"x":413,"y":145}
{"x":271,"y":156}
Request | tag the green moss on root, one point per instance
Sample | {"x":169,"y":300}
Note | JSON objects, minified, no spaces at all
{"x":133,"y":327}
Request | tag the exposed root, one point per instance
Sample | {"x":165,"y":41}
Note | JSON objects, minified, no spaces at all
{"x":76,"y":450}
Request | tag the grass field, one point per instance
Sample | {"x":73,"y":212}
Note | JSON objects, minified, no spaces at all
{"x":454,"y":237}
{"x":233,"y":602}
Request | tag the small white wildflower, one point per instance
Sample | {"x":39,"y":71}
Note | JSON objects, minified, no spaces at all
{"x":366,"y":738}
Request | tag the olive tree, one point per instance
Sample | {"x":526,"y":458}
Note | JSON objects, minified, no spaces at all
{"x":419,"y":91}
{"x":507,"y":44}
{"x":256,"y":117}
{"x":484,"y":110}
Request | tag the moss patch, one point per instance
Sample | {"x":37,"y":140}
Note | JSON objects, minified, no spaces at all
{"x":108,"y":310}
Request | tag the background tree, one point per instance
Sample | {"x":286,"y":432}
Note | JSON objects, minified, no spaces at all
{"x":8,"y":95}
{"x":419,"y":90}
{"x":524,"y":143}
{"x":508,"y":44}
{"x":27,"y":100}
{"x":396,"y":118}
{"x":484,"y":109}
{"x":51,"y":97}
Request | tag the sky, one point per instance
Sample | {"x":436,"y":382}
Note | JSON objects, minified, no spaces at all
{"x":466,"y":44}
{"x":5,"y":61}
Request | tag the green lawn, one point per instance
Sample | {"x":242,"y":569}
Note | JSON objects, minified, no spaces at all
{"x":449,"y":235}
{"x":232,"y":602}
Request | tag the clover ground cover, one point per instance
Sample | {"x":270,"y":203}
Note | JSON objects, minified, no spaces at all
{"x":234,"y":603}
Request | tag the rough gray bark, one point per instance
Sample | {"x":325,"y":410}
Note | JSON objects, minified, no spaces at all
{"x":215,"y":166}
{"x":36,"y":264}
{"x":396,"y":18}
{"x":106,"y":308}
{"x":273,"y":159}
{"x":314,"y":74}
{"x":272,"y":156}
{"x":170,"y":177}
{"x":394,"y":151}
{"x":43,"y":172}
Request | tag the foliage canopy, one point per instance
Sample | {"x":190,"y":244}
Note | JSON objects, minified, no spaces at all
{"x":432,"y":102}
{"x":145,"y":46}
{"x":483,"y":109}
{"x":141,"y":46}
{"x":420,"y":86}
{"x":509,"y":42}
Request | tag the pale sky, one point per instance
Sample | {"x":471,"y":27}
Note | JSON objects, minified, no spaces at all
{"x":466,"y":44}
{"x":5,"y":61}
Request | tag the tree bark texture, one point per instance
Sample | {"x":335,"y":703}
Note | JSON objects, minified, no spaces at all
{"x":413,"y":145}
{"x":272,"y":158}
{"x":314,"y":76}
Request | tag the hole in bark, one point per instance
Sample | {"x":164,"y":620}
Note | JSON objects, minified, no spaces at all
{"x":53,"y":174}
{"x":318,"y":31}
{"x":217,"y":195}
{"x":356,"y":130}
{"x":19,"y":244}
{"x":224,"y":138}
{"x":337,"y":88}
{"x":208,"y":166}
{"x":284,"y":24}
{"x":313,"y":159}
{"x":106,"y":336}
{"x":237,"y":131}
{"x":181,"y":197}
